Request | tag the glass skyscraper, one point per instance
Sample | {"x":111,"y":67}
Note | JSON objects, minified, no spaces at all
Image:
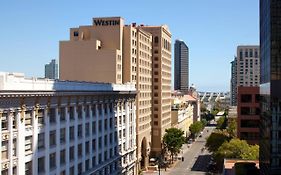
{"x":270,"y":88}
{"x":181,"y":72}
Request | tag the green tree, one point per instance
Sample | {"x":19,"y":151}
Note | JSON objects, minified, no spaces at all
{"x":215,"y":140}
{"x":232,"y":128}
{"x":173,"y":140}
{"x":221,"y":123}
{"x":195,"y":128}
{"x":238,"y":149}
{"x":204,"y":122}
{"x":252,"y":153}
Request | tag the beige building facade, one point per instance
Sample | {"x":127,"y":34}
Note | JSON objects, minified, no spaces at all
{"x":110,"y":51}
{"x":161,"y":84}
{"x":182,"y":112}
{"x":248,"y":66}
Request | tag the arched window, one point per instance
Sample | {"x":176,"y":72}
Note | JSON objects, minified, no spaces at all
{"x":156,"y":39}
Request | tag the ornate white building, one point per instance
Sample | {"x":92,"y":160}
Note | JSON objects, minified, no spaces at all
{"x":66,"y":128}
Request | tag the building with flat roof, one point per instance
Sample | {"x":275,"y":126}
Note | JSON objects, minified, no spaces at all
{"x":233,"y":83}
{"x":181,"y":69}
{"x":51,"y":70}
{"x":248,"y":65}
{"x":66,"y":127}
{"x":110,"y":51}
{"x":248,"y":110}
{"x":182,"y":112}
{"x":161,"y":84}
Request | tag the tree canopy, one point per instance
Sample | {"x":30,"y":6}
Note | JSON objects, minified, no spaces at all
{"x":238,"y":149}
{"x":196,"y":127}
{"x":173,"y":140}
{"x":215,"y":140}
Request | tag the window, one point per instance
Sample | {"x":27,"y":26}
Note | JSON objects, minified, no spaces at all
{"x":62,"y":157}
{"x":71,"y":133}
{"x":71,"y":113}
{"x":79,"y":168}
{"x":28,"y":118}
{"x":105,"y":124}
{"x":87,"y":147}
{"x":52,"y":114}
{"x":71,"y":153}
{"x":41,"y":165}
{"x":80,"y":132}
{"x":41,"y":119}
{"x":87,"y":129}
{"x":87,"y":108}
{"x":100,"y":126}
{"x":246,"y":98}
{"x":87,"y":165}
{"x":100,"y":142}
{"x":4,"y":120}
{"x":80,"y":112}
{"x":62,"y":135}
{"x":4,"y":150}
{"x":28,"y":168}
{"x":53,"y":138}
{"x":71,"y":171}
{"x":156,"y":40}
{"x":52,"y":160}
{"x":105,"y":140}
{"x":41,"y":141}
{"x":28,"y":145}
{"x":75,"y":33}
{"x":62,"y":114}
{"x":80,"y":149}
{"x":94,"y":144}
{"x":94,"y":127}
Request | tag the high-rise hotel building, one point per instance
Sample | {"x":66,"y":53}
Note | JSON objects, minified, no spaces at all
{"x":110,"y":51}
{"x":161,"y":84}
{"x":65,"y":127}
{"x":270,"y":88}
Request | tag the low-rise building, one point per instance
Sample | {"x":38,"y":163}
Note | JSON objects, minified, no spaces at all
{"x":65,"y":127}
{"x":182,"y":112}
{"x":248,"y":110}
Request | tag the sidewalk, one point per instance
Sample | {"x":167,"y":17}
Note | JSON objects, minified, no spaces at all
{"x":185,"y":148}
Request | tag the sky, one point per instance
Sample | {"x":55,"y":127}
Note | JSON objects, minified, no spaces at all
{"x":30,"y":31}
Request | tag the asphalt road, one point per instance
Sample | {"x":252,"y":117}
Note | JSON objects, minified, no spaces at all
{"x":195,"y":159}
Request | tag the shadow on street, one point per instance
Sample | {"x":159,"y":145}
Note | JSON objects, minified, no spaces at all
{"x":201,"y":163}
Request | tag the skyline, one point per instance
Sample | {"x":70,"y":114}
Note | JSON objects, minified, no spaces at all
{"x":32,"y":31}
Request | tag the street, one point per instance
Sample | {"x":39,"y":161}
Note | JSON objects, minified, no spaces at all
{"x":195,"y":159}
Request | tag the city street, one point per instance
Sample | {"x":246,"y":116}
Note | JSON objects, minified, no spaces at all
{"x":195,"y":160}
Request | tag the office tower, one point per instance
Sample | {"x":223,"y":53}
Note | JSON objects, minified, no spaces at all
{"x":181,"y":71}
{"x":233,"y":82}
{"x":110,"y":51}
{"x":51,"y":70}
{"x":248,"y":80}
{"x":270,"y":88}
{"x":66,"y":127}
{"x":161,"y":84}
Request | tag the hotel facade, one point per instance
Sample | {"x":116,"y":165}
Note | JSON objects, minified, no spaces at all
{"x":110,"y":51}
{"x":67,"y":128}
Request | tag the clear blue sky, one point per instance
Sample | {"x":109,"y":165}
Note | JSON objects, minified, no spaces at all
{"x":31,"y":31}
